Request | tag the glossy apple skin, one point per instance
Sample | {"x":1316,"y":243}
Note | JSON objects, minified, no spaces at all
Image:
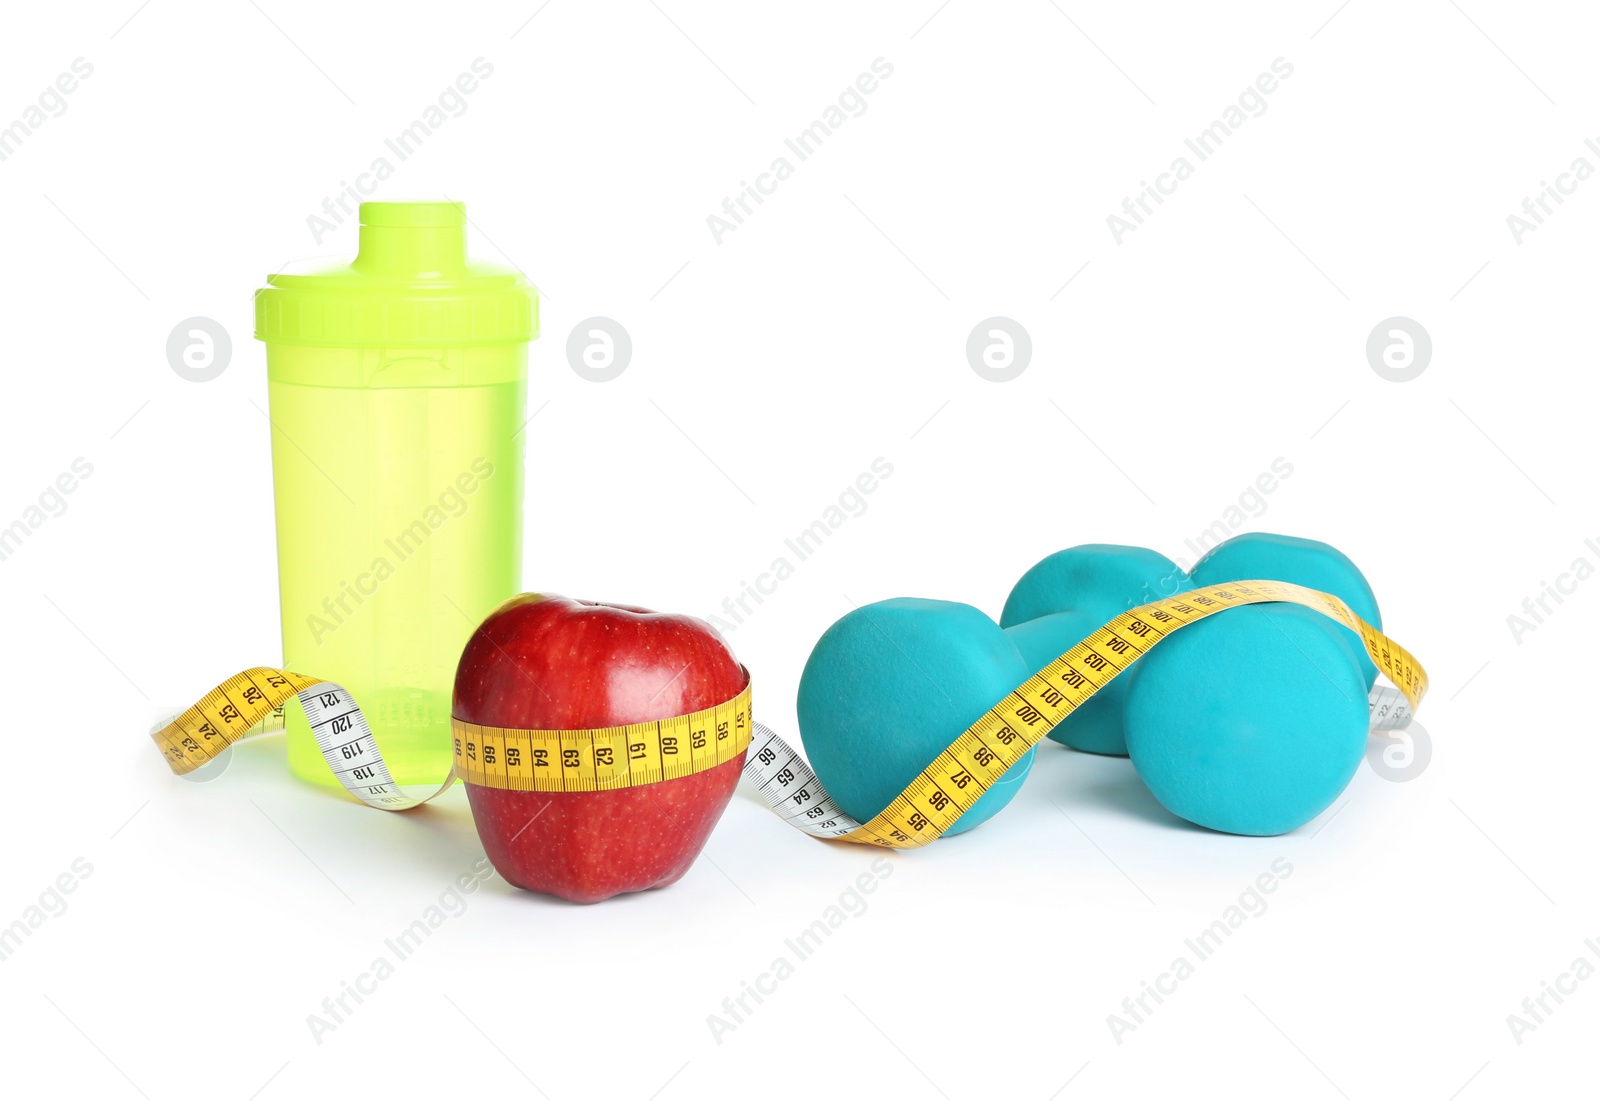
{"x":547,"y":662}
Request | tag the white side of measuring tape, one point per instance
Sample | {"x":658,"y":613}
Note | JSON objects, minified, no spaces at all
{"x":352,"y":752}
{"x":1388,"y":708}
{"x":791,"y":789}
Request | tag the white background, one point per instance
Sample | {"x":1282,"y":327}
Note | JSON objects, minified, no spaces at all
{"x":829,"y":330}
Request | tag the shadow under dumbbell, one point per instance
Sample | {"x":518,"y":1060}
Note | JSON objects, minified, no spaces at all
{"x":1080,"y":780}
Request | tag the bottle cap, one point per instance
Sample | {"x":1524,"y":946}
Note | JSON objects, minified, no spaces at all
{"x":410,"y":283}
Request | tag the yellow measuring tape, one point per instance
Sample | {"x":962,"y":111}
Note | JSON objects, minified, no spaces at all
{"x":522,"y":760}
{"x":605,"y":759}
{"x":956,"y":779}
{"x":236,"y":707}
{"x":645,"y":753}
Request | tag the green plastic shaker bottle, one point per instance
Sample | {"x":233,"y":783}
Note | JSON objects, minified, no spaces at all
{"x":397,"y":384}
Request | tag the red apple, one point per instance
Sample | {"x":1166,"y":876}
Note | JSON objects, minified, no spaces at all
{"x":547,"y":662}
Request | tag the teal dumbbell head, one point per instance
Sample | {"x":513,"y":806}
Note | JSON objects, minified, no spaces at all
{"x":1251,"y":721}
{"x":1102,"y":579}
{"x":1062,"y":599}
{"x":1260,"y":556}
{"x":890,"y":686}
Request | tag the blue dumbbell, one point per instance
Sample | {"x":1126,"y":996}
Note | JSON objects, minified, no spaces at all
{"x":890,"y":686}
{"x":1251,"y":721}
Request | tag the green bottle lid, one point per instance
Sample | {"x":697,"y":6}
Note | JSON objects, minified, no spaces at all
{"x":410,"y":283}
